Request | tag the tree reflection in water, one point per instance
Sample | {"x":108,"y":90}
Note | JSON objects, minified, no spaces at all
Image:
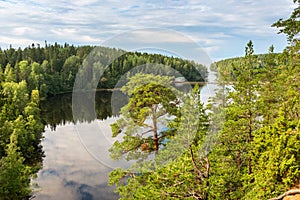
{"x":57,"y":110}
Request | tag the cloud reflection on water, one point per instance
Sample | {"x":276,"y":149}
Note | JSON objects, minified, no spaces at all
{"x":69,"y":171}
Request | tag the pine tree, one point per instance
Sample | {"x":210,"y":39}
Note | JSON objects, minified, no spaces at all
{"x":231,"y":161}
{"x":150,"y":98}
{"x":181,"y":169}
{"x":290,"y":26}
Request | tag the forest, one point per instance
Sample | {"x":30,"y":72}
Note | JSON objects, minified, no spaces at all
{"x":52,"y":69}
{"x":252,"y":126}
{"x":245,"y":144}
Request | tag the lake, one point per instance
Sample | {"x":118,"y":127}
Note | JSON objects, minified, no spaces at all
{"x":75,"y":166}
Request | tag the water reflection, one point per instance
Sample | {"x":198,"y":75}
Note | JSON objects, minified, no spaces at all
{"x":69,"y":171}
{"x":57,"y":110}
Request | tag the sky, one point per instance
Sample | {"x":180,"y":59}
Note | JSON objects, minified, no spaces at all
{"x":221,"y":28}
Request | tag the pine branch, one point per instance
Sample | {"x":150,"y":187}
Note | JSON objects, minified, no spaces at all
{"x":195,"y":165}
{"x":288,"y":193}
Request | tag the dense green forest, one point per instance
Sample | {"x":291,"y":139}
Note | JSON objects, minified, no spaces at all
{"x":244,"y":145}
{"x":20,"y":136}
{"x":52,"y":69}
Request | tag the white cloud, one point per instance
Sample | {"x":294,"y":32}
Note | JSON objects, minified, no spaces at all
{"x":14,"y":41}
{"x":213,"y":23}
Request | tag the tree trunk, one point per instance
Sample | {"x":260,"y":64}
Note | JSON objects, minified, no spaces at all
{"x":155,"y":133}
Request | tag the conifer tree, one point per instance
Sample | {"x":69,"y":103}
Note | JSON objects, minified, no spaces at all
{"x":150,"y":98}
{"x":231,"y":160}
{"x":183,"y":177}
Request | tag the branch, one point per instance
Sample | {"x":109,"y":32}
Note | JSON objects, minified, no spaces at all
{"x":146,"y":132}
{"x":207,"y":167}
{"x":162,"y":136}
{"x":178,"y":183}
{"x":32,"y":197}
{"x":160,"y":113}
{"x":195,"y":165}
{"x":195,"y":195}
{"x":290,"y":192}
{"x":146,"y":125}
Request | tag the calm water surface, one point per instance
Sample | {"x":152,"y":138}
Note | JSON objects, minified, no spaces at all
{"x":70,"y":171}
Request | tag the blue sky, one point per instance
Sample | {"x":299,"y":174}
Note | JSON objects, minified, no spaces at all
{"x":221,"y":28}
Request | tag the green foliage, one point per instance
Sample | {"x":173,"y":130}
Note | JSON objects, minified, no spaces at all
{"x":176,"y":180}
{"x":236,"y":134}
{"x":150,"y":98}
{"x":20,"y":136}
{"x":14,"y":175}
{"x":181,"y":169}
{"x":9,"y":73}
{"x":15,"y":96}
{"x":276,"y":158}
{"x":52,"y":69}
{"x":290,"y":26}
{"x":275,"y":153}
{"x":257,"y":151}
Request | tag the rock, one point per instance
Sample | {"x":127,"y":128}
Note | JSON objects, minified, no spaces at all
{"x":292,"y":197}
{"x":293,"y":194}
